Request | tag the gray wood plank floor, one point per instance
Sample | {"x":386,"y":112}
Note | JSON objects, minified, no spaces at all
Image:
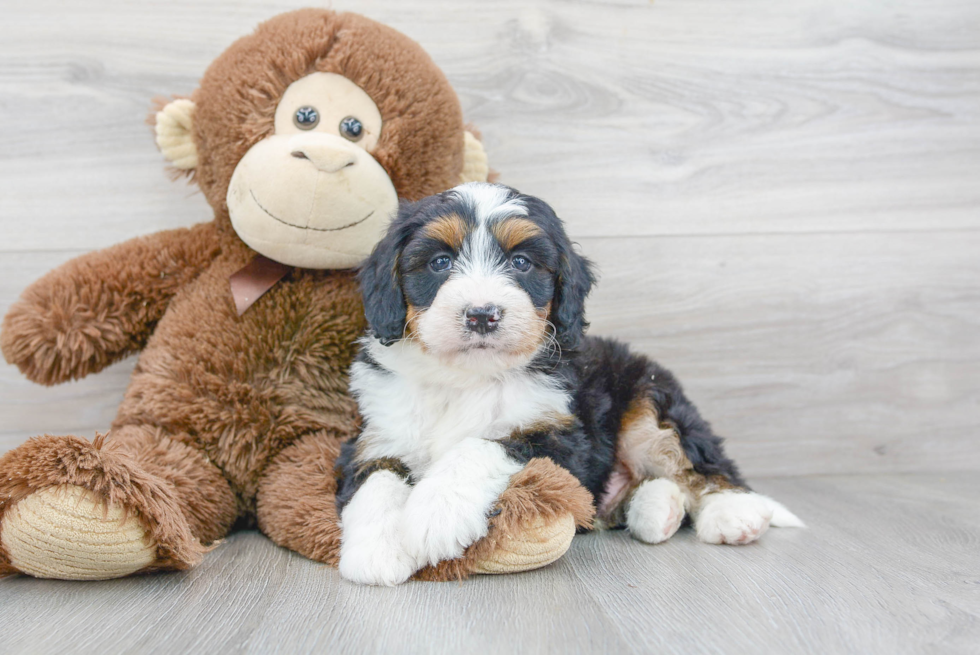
{"x":889,"y":564}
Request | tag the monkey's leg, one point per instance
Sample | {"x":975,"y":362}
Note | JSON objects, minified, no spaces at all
{"x":296,"y":503}
{"x":135,"y":501}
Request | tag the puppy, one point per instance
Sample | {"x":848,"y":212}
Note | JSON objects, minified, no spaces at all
{"x":476,"y":361}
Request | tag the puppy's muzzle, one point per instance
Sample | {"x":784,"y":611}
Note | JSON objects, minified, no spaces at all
{"x":482,"y":320}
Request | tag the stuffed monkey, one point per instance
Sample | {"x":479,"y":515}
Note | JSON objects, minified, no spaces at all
{"x":302,"y":136}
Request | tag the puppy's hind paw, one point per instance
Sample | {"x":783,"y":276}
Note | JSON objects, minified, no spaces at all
{"x":732,"y":517}
{"x":655,"y":511}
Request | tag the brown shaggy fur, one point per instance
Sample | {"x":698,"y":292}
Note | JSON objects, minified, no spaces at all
{"x":296,"y":506}
{"x":47,"y":461}
{"x":228,"y":416}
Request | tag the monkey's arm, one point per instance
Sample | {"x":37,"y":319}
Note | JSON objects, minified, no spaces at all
{"x":102,"y":306}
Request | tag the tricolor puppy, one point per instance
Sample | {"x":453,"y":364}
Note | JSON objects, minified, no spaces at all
{"x":476,"y":362}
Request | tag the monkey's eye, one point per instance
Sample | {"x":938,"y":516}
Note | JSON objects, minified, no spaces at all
{"x":306,"y":118}
{"x":441,"y":264}
{"x":521,"y":263}
{"x":351,"y":128}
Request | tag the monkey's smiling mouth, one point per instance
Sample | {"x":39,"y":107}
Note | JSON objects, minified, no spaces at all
{"x":300,"y":227}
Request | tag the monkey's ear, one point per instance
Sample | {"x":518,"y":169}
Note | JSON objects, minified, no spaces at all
{"x":475,"y":166}
{"x":175,"y":133}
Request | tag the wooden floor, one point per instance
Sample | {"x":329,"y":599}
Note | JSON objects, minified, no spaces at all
{"x":783,"y":198}
{"x":889,"y":564}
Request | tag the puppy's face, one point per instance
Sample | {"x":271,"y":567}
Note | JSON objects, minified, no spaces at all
{"x":479,"y":283}
{"x":478,"y":274}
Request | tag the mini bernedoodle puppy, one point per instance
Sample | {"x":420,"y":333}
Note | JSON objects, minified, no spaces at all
{"x":476,"y":361}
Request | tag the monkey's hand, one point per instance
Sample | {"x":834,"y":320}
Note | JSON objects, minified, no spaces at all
{"x":102,"y":306}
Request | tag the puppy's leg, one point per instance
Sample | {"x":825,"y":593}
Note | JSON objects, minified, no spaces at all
{"x":371,"y":549}
{"x":651,"y":497}
{"x":687,"y":458}
{"x":448,"y":509}
{"x":655,"y":510}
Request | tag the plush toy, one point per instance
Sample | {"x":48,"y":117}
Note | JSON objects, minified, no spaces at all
{"x":302,"y":137}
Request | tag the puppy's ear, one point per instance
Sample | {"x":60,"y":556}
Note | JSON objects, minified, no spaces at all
{"x":384,"y":303}
{"x":574,"y":282}
{"x":573,"y":279}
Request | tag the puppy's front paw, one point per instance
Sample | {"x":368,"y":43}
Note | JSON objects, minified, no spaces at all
{"x":439,"y":523}
{"x":655,"y":511}
{"x":732,"y":517}
{"x":371,"y":549}
{"x":375,"y":562}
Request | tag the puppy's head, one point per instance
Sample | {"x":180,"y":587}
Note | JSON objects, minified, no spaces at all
{"x":478,"y":273}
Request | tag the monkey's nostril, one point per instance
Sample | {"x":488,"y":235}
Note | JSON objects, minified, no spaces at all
{"x":299,"y":154}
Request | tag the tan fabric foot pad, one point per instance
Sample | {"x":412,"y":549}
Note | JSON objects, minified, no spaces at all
{"x":68,"y":533}
{"x":542,"y":543}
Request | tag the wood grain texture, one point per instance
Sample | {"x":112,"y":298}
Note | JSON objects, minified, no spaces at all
{"x":889,"y":564}
{"x":781,"y":197}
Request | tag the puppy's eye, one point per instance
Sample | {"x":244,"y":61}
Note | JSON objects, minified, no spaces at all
{"x":306,"y":118}
{"x":521,"y":263}
{"x":441,"y":263}
{"x":351,"y":128}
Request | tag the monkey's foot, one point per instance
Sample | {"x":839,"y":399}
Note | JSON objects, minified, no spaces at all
{"x":76,"y":510}
{"x":541,"y":543}
{"x":69,"y":533}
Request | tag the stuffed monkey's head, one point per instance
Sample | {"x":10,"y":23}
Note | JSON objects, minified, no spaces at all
{"x":304,"y":135}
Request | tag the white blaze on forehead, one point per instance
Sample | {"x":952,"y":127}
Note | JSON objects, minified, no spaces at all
{"x":480,"y":256}
{"x":489,"y":202}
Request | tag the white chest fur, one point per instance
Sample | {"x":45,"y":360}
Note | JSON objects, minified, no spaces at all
{"x":419,"y":408}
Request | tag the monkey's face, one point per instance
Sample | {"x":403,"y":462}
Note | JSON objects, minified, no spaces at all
{"x":311,"y":194}
{"x":304,"y":135}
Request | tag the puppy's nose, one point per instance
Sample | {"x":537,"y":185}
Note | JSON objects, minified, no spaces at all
{"x":483,"y":320}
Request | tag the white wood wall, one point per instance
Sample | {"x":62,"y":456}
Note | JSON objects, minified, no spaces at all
{"x":783,"y":197}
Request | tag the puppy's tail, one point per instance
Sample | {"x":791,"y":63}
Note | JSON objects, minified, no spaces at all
{"x":782,"y":517}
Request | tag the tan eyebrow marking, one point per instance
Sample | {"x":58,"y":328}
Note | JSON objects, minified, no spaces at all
{"x":450,"y":229}
{"x":512,"y":232}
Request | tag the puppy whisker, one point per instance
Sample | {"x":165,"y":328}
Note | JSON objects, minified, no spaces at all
{"x":551,"y":333}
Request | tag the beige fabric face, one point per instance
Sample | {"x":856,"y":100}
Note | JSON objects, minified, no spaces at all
{"x":312,"y":198}
{"x":335,"y":98}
